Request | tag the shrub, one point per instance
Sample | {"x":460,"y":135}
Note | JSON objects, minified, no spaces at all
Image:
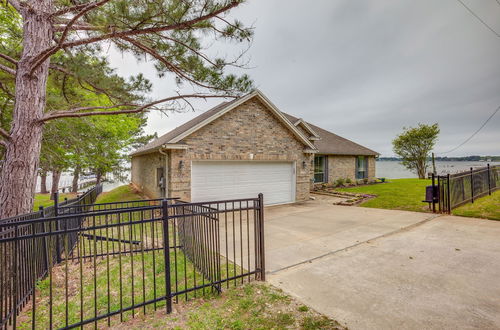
{"x":339,"y":182}
{"x":365,"y":180}
{"x":348,"y":180}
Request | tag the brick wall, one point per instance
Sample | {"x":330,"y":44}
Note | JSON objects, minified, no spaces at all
{"x":250,"y":132}
{"x":144,"y":173}
{"x":343,"y":167}
{"x":371,"y":168}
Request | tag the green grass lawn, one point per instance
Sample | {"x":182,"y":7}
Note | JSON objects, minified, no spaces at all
{"x":44,"y":200}
{"x":397,"y":194}
{"x":119,"y":194}
{"x":252,"y":306}
{"x":485,"y":207}
{"x":94,"y":286}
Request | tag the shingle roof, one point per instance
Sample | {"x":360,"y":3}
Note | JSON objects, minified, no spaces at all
{"x":328,"y":144}
{"x":155,"y":144}
{"x":333,"y":144}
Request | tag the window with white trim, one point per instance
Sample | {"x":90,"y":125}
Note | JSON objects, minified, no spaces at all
{"x":361,"y":167}
{"x":320,"y":169}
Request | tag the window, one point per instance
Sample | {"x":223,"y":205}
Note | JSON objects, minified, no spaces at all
{"x":361,"y":167}
{"x":319,"y":169}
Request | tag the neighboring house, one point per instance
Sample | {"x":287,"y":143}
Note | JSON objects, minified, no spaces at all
{"x":243,"y":147}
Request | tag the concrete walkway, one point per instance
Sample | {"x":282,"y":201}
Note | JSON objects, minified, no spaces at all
{"x":302,"y":232}
{"x":383,"y":269}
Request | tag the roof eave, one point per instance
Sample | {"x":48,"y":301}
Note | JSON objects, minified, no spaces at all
{"x":240,"y":101}
{"x":348,"y":153}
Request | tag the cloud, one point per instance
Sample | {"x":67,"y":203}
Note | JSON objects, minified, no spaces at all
{"x":365,"y":69}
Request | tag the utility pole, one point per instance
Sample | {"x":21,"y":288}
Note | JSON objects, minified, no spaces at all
{"x":433,"y":165}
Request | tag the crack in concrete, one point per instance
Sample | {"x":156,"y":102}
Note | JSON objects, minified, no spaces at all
{"x":394,"y":232}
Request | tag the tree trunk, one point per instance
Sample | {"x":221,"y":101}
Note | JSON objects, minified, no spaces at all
{"x":56,"y":176}
{"x":20,"y":168}
{"x":98,"y":177}
{"x":421,"y":168}
{"x":43,"y":182}
{"x":76,"y":177}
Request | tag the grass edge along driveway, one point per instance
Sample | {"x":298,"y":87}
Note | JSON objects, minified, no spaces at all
{"x":396,"y":194}
{"x":408,"y":194}
{"x":487,"y":207}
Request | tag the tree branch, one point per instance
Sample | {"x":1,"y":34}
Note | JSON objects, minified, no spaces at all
{"x":7,"y":69}
{"x":74,"y":8}
{"x":8,"y":58}
{"x":200,"y":54}
{"x":78,"y":27}
{"x":73,"y":110}
{"x":76,"y":113}
{"x":69,"y":73}
{"x":169,"y":65}
{"x":42,"y":57}
{"x":6,"y":91}
{"x":157,"y":56}
{"x":84,"y":10}
{"x":16,"y":4}
{"x":5,"y":134}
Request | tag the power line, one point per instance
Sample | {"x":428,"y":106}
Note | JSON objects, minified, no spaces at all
{"x":473,"y":134}
{"x":479,"y":18}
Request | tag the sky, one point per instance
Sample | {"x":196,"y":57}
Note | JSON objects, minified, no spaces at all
{"x":365,"y":69}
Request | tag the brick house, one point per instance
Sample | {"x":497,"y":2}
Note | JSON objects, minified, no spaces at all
{"x":243,"y":147}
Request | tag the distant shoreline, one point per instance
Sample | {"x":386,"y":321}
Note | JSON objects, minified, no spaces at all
{"x":493,"y":159}
{"x":394,"y":169}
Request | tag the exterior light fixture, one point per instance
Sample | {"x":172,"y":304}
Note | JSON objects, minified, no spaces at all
{"x":181,"y":164}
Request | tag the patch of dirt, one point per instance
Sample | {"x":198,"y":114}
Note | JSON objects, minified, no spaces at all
{"x":341,"y":197}
{"x":254,"y":305}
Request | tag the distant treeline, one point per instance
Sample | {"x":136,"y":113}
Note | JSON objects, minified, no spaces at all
{"x":455,"y":159}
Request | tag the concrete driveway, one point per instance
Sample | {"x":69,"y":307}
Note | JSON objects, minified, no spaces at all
{"x":384,"y":269}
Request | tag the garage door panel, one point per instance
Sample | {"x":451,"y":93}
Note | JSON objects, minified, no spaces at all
{"x":233,"y":180}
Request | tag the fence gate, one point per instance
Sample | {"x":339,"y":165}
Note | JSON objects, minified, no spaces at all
{"x":99,"y":264}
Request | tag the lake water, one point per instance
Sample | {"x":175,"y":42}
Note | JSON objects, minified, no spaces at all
{"x":67,"y":179}
{"x":394,"y":169}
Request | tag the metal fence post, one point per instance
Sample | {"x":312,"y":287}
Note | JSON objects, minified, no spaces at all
{"x":58,"y":227}
{"x":439,"y":195}
{"x":471,"y":185}
{"x":166,"y":255}
{"x":489,"y":179}
{"x":434,"y":197}
{"x":261,"y":239}
{"x":448,"y":197}
{"x":44,"y":242}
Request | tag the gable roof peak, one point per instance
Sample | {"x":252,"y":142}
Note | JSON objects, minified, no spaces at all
{"x":186,"y":129}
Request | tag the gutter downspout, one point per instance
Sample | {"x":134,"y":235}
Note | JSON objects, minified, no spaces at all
{"x":165,"y":175}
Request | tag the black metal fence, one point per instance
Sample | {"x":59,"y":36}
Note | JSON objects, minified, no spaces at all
{"x":23,"y":263}
{"x":461,"y":188}
{"x":120,"y":259}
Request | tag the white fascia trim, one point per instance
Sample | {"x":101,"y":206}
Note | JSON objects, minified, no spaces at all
{"x":308,"y":128}
{"x":174,"y":146}
{"x":311,"y":151}
{"x":242,"y":100}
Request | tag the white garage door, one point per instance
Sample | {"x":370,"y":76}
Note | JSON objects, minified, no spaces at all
{"x":214,"y":180}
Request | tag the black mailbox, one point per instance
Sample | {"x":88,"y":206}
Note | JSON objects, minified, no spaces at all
{"x":431,"y":194}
